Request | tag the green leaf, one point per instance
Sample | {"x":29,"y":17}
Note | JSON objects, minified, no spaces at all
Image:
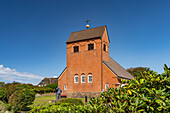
{"x":141,"y":110}
{"x":129,"y":92}
{"x":141,"y":81}
{"x":151,"y":108}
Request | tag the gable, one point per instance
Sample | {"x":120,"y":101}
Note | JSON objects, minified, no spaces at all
{"x":59,"y":77}
{"x":86,"y":34}
{"x":118,"y":70}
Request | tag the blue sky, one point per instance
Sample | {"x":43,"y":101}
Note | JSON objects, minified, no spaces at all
{"x":33,"y":34}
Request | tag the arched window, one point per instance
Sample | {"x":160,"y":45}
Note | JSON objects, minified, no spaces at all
{"x":76,"y":79}
{"x":106,"y":86}
{"x":90,"y":78}
{"x":83,"y":78}
{"x":65,"y":87}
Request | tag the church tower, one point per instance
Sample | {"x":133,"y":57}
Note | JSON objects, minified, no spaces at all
{"x":87,"y":72}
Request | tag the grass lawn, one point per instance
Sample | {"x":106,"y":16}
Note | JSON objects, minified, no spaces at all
{"x":41,"y":100}
{"x":44,"y":100}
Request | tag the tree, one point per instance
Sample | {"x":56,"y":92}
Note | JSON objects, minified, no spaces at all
{"x":1,"y":84}
{"x":136,"y":70}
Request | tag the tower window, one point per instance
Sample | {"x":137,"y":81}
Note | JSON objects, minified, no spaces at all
{"x":76,"y":49}
{"x":104,"y":47}
{"x":90,"y":46}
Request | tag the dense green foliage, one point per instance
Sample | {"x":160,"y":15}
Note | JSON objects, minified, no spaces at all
{"x":46,"y":89}
{"x":8,"y":89}
{"x":72,"y":101}
{"x":136,"y":70}
{"x":148,"y":92}
{"x":20,"y":99}
{"x":43,"y":90}
{"x":17,"y":96}
{"x":1,"y":84}
{"x":52,"y":86}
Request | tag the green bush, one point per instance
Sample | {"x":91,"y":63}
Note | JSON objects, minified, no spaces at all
{"x":148,"y":93}
{"x":53,"y":85}
{"x":17,"y":96}
{"x":72,"y":101}
{"x":20,"y":99}
{"x":8,"y":89}
{"x":3,"y":95}
{"x":43,"y":90}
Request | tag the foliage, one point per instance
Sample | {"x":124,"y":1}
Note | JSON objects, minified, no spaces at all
{"x":72,"y":101}
{"x":43,"y":90}
{"x":20,"y":99}
{"x":136,"y":71}
{"x":52,"y":86}
{"x":64,"y":108}
{"x":1,"y":84}
{"x":149,"y":92}
{"x":16,"y":95}
{"x":8,"y":89}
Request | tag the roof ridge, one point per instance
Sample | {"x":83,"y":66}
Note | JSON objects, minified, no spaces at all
{"x":88,"y":29}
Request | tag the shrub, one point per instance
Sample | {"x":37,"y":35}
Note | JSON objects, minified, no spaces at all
{"x":147,"y":93}
{"x":21,"y":99}
{"x":1,"y":84}
{"x":42,"y":90}
{"x":8,"y":89}
{"x":53,"y":85}
{"x":3,"y":95}
{"x":72,"y":101}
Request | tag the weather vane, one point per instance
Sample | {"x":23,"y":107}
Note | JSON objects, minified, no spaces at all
{"x":87,"y":26}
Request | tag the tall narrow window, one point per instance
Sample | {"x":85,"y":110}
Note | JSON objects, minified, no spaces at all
{"x":76,"y":48}
{"x":90,"y":78}
{"x":106,"y":86}
{"x":104,"y":47}
{"x":90,"y":46}
{"x":65,"y":87}
{"x":83,"y":79}
{"x":76,"y":79}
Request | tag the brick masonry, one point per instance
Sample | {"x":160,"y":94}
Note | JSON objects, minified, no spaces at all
{"x":87,"y":62}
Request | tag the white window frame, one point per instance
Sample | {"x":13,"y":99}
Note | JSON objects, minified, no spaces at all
{"x":88,"y":78}
{"x":82,"y":79}
{"x":75,"y":79}
{"x":65,"y":87}
{"x":106,"y":86}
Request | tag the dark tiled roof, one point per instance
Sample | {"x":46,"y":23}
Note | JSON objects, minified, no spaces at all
{"x":86,"y":34}
{"x":48,"y":81}
{"x":117,"y":69}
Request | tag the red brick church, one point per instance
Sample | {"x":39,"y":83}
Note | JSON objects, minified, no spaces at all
{"x":90,"y":69}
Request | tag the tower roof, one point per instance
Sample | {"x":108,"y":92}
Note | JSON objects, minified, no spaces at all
{"x":86,"y":34}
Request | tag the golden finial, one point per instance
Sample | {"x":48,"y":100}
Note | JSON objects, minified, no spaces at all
{"x":87,"y":26}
